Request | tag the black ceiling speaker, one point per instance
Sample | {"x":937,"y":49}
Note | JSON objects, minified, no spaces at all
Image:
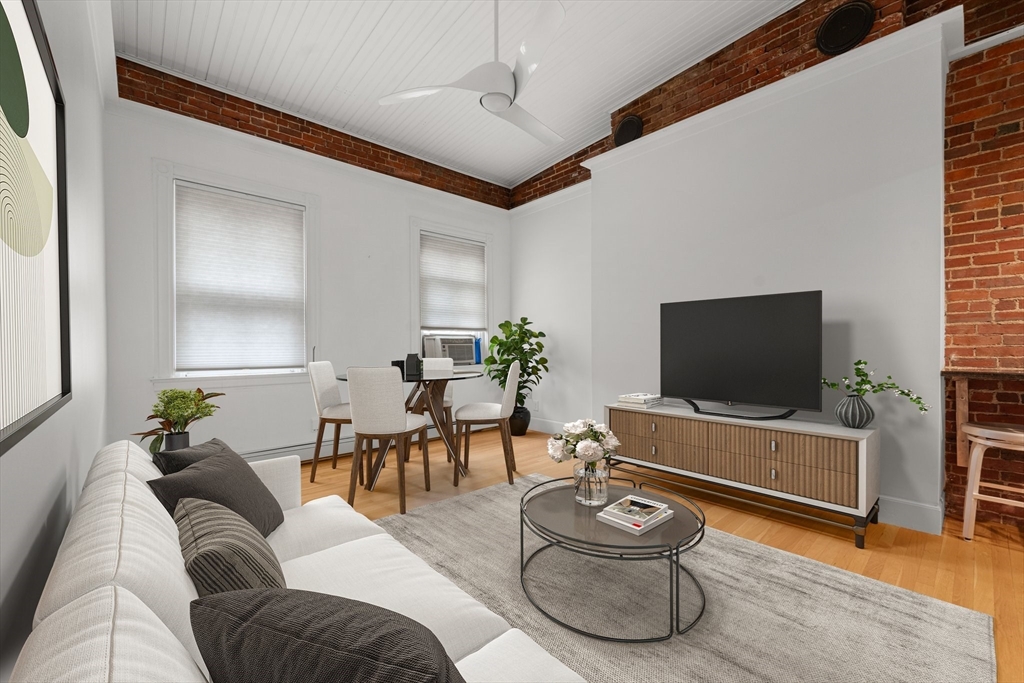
{"x":845,"y":27}
{"x":629,"y":129}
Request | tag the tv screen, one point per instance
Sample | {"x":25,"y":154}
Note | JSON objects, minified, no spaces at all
{"x":753,"y":350}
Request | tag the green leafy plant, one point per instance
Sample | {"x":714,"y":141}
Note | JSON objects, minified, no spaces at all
{"x":177,"y":409}
{"x":519,"y":344}
{"x":864,"y":384}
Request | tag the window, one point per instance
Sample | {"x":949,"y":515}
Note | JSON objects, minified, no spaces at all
{"x":452,"y":283}
{"x":239,"y":272}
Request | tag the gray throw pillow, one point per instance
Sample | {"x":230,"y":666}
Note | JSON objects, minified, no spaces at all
{"x":276,"y":634}
{"x":170,"y":462}
{"x":226,"y":479}
{"x":222,"y":551}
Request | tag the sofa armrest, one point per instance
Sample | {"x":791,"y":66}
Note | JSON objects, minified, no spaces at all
{"x":283,"y":476}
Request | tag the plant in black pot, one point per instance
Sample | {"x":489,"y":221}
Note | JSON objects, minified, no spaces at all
{"x":520,"y":343}
{"x":854,"y":411}
{"x":177,"y":409}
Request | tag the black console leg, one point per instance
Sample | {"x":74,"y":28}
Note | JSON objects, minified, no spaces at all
{"x":874,"y":515}
{"x":859,"y":536}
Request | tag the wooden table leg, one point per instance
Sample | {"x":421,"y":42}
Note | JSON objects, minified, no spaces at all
{"x":435,"y":404}
{"x":962,"y":404}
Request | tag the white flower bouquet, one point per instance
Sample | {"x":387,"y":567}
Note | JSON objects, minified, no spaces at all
{"x":592,"y":444}
{"x":585,"y":440}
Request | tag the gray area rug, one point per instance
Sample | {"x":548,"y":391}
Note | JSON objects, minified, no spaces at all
{"x":771,"y":615}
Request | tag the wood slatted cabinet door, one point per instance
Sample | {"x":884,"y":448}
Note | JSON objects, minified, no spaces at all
{"x":740,"y":468}
{"x":750,"y":441}
{"x":636,"y":447}
{"x":826,"y":453}
{"x":815,"y":483}
{"x":629,"y":422}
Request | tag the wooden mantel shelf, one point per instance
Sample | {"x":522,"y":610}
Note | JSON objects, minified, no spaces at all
{"x":968,"y":373}
{"x":962,"y":376}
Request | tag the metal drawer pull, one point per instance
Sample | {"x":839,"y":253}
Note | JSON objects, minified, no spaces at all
{"x":653,"y":427}
{"x":654,"y":450}
{"x":774,"y":473}
{"x":774,"y":446}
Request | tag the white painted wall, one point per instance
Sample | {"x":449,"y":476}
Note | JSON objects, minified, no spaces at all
{"x":41,"y":476}
{"x":363,"y":288}
{"x":551,"y":285}
{"x":830,"y":179}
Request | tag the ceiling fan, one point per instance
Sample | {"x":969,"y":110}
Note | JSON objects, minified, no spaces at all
{"x":499,"y":85}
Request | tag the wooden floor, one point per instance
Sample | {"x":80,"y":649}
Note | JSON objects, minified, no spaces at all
{"x":986,"y":574}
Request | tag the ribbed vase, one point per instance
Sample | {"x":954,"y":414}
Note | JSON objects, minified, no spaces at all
{"x":854,"y":412}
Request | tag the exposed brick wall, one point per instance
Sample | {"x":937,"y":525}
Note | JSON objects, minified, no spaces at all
{"x":149,"y":86}
{"x":990,"y":401}
{"x":982,"y":18}
{"x":984,"y":240}
{"x":984,"y":245}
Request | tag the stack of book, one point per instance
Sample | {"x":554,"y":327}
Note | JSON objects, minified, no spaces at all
{"x":642,"y":401}
{"x":635,"y":514}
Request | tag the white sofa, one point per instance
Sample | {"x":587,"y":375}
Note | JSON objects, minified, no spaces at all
{"x":116,"y":603}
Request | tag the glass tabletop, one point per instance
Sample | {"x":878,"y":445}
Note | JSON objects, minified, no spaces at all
{"x":555,"y":512}
{"x":435,"y":375}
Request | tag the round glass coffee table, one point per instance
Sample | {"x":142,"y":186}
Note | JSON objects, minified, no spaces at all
{"x":550,"y":511}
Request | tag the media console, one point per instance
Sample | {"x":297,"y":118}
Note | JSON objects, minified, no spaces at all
{"x":827,"y":467}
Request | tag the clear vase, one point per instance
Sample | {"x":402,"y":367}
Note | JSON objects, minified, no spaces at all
{"x":591,"y":482}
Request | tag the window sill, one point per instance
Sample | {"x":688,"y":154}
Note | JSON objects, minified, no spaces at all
{"x":227,"y":381}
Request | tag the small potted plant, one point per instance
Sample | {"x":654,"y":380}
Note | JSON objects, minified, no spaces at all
{"x":592,"y":444}
{"x":519,"y":344}
{"x":854,"y":411}
{"x":177,"y":409}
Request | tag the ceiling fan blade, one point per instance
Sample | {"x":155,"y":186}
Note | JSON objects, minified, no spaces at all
{"x":411,"y":94}
{"x":518,"y":116}
{"x":545,"y":25}
{"x":489,"y":77}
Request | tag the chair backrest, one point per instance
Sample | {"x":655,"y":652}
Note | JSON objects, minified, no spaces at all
{"x":378,"y":404}
{"x":508,"y":401}
{"x":441,"y":364}
{"x":325,"y":385}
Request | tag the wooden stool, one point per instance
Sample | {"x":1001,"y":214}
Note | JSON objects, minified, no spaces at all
{"x":984,"y":436}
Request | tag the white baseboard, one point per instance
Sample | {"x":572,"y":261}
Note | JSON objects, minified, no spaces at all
{"x":911,"y":514}
{"x":305,"y":450}
{"x":546,"y":426}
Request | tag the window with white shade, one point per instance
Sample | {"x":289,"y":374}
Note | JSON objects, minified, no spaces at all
{"x":452,"y":283}
{"x":239,"y":277}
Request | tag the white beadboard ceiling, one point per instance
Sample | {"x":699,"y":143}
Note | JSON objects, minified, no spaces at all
{"x":330,"y":62}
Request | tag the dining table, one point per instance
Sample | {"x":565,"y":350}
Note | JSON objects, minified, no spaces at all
{"x":427,"y":393}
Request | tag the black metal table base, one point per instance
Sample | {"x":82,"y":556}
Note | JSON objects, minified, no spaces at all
{"x":671,"y":555}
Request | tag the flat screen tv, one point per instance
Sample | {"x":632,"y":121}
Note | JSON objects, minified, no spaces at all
{"x":751,"y":350}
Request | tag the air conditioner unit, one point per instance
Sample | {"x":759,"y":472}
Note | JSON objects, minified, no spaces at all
{"x":459,"y":349}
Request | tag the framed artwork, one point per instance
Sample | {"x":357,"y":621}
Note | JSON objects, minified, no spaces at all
{"x":35,"y":341}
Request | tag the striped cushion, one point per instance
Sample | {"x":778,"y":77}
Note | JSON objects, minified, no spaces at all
{"x":222,"y":551}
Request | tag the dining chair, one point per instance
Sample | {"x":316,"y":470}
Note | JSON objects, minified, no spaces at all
{"x":329,"y":408}
{"x":982,"y":436}
{"x":489,"y":413}
{"x":378,"y":412}
{"x":438,"y":365}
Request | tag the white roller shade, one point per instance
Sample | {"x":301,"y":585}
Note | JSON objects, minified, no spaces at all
{"x":239,"y":281}
{"x":453,"y":283}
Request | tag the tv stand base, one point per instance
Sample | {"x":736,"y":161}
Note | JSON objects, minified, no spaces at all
{"x":780,"y":416}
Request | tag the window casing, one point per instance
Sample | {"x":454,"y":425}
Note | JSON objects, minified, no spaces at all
{"x":270,"y":311}
{"x":452,"y":283}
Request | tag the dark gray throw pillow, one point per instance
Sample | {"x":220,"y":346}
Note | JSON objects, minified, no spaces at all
{"x":222,"y":551}
{"x":276,"y":634}
{"x":226,"y":479}
{"x":170,"y":462}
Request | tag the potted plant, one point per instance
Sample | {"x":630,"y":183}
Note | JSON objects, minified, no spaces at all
{"x":519,"y":344}
{"x":592,"y":444}
{"x":854,"y":411}
{"x":177,"y":409}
